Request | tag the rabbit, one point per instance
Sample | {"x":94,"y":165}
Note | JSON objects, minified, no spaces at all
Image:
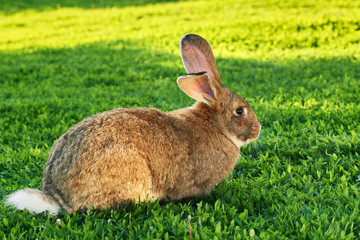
{"x":140,"y":154}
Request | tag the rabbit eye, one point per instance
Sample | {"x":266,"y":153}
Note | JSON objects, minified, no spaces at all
{"x":239,"y":111}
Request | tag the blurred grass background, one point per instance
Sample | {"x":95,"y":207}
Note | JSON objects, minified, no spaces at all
{"x":295,"y":62}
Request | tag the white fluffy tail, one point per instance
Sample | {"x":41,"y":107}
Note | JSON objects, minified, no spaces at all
{"x":32,"y":200}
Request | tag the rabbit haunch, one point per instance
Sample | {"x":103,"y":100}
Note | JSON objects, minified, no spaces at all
{"x":145,"y":154}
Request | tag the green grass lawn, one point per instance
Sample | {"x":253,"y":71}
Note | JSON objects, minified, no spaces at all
{"x":297,"y":63}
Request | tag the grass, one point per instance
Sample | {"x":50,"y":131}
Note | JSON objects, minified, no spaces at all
{"x":296,"y":62}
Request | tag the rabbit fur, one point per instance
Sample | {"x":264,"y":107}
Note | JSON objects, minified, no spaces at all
{"x":117,"y":156}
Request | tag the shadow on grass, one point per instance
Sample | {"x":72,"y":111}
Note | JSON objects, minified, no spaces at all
{"x":113,"y":63}
{"x":11,"y":7}
{"x":97,"y":64}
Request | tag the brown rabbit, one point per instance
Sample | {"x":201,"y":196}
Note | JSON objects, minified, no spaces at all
{"x":114,"y":157}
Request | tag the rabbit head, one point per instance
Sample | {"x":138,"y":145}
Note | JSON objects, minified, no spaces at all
{"x":203,"y":83}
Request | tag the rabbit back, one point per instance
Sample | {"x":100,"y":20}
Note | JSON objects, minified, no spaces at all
{"x":104,"y":160}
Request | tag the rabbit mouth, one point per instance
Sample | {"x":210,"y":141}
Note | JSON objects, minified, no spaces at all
{"x":238,"y":142}
{"x":255,"y":132}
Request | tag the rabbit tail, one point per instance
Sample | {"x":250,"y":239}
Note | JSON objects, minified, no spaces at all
{"x":33,"y":200}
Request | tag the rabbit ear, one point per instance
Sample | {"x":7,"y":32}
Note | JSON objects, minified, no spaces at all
{"x":200,"y":86}
{"x":197,"y":56}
